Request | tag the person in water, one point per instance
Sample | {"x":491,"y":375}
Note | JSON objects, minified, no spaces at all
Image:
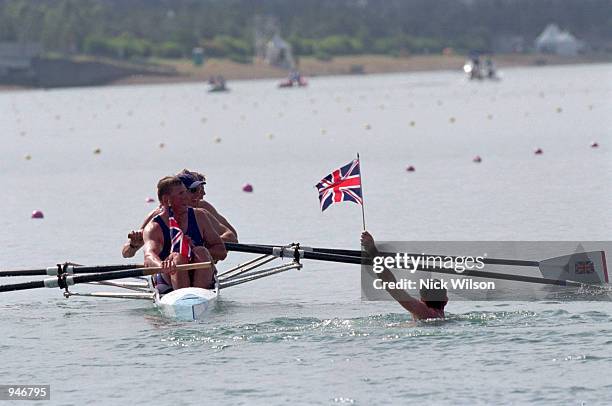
{"x":432,"y":302}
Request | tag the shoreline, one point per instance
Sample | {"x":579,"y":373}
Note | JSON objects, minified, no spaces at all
{"x":310,"y":67}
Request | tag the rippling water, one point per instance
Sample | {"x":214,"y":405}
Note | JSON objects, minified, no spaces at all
{"x":306,"y":337}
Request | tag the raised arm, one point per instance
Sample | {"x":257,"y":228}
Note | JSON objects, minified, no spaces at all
{"x":414,"y":306}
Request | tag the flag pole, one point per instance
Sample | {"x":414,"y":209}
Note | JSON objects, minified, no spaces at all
{"x":362,"y":195}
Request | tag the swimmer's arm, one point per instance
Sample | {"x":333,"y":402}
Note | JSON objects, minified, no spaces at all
{"x":414,"y":306}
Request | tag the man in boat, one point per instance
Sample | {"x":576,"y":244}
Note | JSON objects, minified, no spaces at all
{"x":433,"y":301}
{"x":205,"y":243}
{"x":194,"y":182}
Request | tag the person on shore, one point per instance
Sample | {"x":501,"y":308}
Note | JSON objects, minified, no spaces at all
{"x":433,"y":301}
{"x":194,"y":182}
{"x":180,"y":234}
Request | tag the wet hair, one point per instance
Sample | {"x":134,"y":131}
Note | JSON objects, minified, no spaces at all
{"x":434,"y":298}
{"x":165,"y":185}
{"x":198,"y":175}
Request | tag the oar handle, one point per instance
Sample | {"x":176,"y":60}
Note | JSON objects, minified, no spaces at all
{"x":105,"y":276}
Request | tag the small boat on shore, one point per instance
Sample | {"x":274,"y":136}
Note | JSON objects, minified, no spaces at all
{"x":295,"y":79}
{"x":218,"y":84}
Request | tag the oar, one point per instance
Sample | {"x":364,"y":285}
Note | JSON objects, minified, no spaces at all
{"x":65,"y":281}
{"x":289,"y":252}
{"x":356,"y":253}
{"x":551,"y":268}
{"x":68,"y":268}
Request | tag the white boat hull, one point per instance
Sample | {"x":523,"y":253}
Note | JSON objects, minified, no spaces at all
{"x":187,"y":304}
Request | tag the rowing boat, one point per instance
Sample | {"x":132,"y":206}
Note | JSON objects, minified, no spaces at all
{"x":192,"y":304}
{"x":187,"y":304}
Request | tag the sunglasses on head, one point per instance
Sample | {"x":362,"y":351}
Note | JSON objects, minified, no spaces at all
{"x":197,"y":188}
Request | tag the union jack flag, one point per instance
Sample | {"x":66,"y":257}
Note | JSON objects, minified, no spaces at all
{"x":180,"y":241}
{"x":341,"y":185}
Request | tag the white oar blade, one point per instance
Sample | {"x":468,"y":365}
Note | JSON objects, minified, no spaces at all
{"x":584,"y":267}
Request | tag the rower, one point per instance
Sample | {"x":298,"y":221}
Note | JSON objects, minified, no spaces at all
{"x":163,"y":246}
{"x":194,"y":182}
{"x":433,"y":301}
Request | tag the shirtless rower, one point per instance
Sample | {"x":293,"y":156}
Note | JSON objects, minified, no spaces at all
{"x":433,"y":301}
{"x":194,"y":182}
{"x":206,"y":245}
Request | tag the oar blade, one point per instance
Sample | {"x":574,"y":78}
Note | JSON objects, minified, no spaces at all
{"x":584,"y":267}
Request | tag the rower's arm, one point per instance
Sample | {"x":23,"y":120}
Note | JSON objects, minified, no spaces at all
{"x":153,"y":245}
{"x":224,"y":232}
{"x":212,"y":240}
{"x":129,"y":249}
{"x":150,"y":216}
{"x":210,"y":208}
{"x":134,"y":243}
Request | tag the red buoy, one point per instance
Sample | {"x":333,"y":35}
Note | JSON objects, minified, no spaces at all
{"x":248,"y":188}
{"x":37,"y":214}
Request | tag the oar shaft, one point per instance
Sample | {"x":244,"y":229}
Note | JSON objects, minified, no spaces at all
{"x":348,"y":259}
{"x":75,"y":269}
{"x":22,"y":286}
{"x":96,"y":277}
{"x":356,"y":253}
{"x":288,"y":252}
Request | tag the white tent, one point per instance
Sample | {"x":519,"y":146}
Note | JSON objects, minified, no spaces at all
{"x":553,"y":40}
{"x":278,"y":53}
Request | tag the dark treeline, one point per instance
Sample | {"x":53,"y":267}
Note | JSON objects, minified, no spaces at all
{"x":171,"y":28}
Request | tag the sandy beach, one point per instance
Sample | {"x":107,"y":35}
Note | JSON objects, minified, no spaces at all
{"x":344,"y":65}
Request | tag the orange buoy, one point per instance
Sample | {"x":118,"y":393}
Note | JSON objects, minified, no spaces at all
{"x":594,"y":144}
{"x":410,"y":168}
{"x":37,"y":214}
{"x":538,"y":151}
{"x":477,"y":159}
{"x":248,"y":188}
{"x":149,"y":200}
